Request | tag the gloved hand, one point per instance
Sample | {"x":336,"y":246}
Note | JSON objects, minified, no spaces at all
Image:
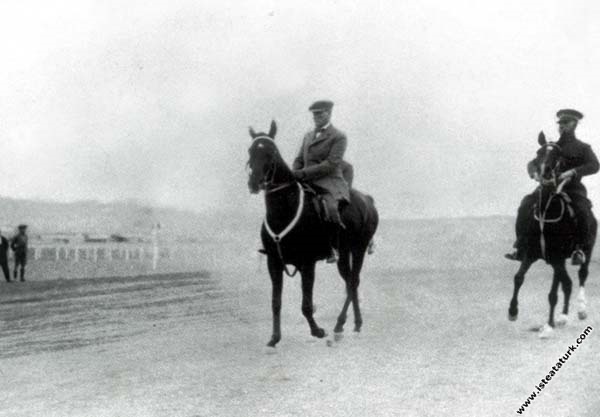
{"x":570,"y":174}
{"x":298,"y":174}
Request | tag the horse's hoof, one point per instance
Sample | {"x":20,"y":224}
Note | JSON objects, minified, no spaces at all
{"x":338,"y":336}
{"x":338,"y":328}
{"x":546,"y":331}
{"x":357,"y":329}
{"x":320,"y":333}
{"x":273,"y":342}
{"x":513,"y":313}
{"x":582,"y":315}
{"x":562,"y":320}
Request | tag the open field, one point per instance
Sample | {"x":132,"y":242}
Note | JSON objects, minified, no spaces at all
{"x":435,"y":342}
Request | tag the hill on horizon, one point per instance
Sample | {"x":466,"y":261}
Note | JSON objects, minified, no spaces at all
{"x":132,"y":217}
{"x":94,"y":217}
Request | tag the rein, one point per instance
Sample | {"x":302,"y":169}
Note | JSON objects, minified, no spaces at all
{"x":541,"y":218}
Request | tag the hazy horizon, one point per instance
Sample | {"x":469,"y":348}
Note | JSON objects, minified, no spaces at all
{"x":151,"y":101}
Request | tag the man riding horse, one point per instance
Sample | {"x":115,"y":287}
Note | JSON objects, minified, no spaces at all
{"x":320,"y":163}
{"x":578,"y":160}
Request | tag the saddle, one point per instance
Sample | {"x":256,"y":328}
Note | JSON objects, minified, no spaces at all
{"x":316,"y":197}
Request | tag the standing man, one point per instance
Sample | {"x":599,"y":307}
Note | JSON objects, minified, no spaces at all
{"x":578,"y":161}
{"x":319,"y":162}
{"x":19,"y":247}
{"x":4,"y":256}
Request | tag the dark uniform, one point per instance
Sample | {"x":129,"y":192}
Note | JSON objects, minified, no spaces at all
{"x":19,"y":247}
{"x":577,"y":157}
{"x":4,"y":245}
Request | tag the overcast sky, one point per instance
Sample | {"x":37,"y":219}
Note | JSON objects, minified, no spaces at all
{"x":441,"y":101}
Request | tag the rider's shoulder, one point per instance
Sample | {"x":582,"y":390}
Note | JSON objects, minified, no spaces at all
{"x":582,"y":144}
{"x":337,"y":132}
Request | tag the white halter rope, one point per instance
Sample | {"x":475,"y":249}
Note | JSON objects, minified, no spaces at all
{"x":278,"y":236}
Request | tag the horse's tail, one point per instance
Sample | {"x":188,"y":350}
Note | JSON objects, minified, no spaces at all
{"x":371,"y":214}
{"x":370,"y":199}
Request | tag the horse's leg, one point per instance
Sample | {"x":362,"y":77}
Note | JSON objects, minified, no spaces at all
{"x":513,"y":310}
{"x":548,"y":328}
{"x":583,"y":274}
{"x":581,"y":300}
{"x":553,"y":294}
{"x":344,"y":270}
{"x":358,"y":256}
{"x":308,"y":281}
{"x":276,"y":273}
{"x":567,"y":285}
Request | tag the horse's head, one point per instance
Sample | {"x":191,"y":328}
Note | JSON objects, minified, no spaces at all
{"x":264,"y":159}
{"x":548,"y":161}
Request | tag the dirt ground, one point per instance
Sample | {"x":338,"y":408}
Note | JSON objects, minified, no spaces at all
{"x":435,"y":342}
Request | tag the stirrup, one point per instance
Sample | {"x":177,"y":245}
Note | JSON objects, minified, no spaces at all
{"x":578,"y":257}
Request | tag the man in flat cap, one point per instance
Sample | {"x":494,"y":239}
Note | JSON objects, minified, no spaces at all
{"x":579,"y":161}
{"x":320,"y":162}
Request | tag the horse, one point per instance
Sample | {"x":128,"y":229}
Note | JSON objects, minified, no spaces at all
{"x":551,"y":237}
{"x":293,"y":233}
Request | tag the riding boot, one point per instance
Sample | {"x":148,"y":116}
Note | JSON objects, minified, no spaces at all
{"x":334,"y":244}
{"x":581,"y":238}
{"x":517,"y":254}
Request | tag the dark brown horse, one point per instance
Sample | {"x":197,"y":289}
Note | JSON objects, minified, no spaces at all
{"x":294,"y":235}
{"x":552,"y":237}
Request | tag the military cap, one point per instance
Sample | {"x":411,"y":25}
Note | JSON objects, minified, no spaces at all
{"x":321,"y":105}
{"x":569,"y":114}
{"x":22,"y":226}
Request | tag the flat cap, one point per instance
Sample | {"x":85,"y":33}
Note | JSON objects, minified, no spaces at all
{"x":321,"y":105}
{"x":569,"y":114}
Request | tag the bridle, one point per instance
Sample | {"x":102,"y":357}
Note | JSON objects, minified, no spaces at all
{"x":269,"y":186}
{"x":267,"y":183}
{"x":553,"y":181}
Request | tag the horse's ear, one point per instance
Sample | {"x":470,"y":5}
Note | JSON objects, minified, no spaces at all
{"x":542,"y":138}
{"x":252,"y":132}
{"x":273,"y":129}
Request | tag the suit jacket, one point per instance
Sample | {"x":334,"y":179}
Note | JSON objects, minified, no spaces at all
{"x":320,"y":160}
{"x":3,"y":249}
{"x":576,"y":155}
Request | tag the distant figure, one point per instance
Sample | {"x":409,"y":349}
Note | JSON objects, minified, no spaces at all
{"x":4,"y":256}
{"x":19,"y":247}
